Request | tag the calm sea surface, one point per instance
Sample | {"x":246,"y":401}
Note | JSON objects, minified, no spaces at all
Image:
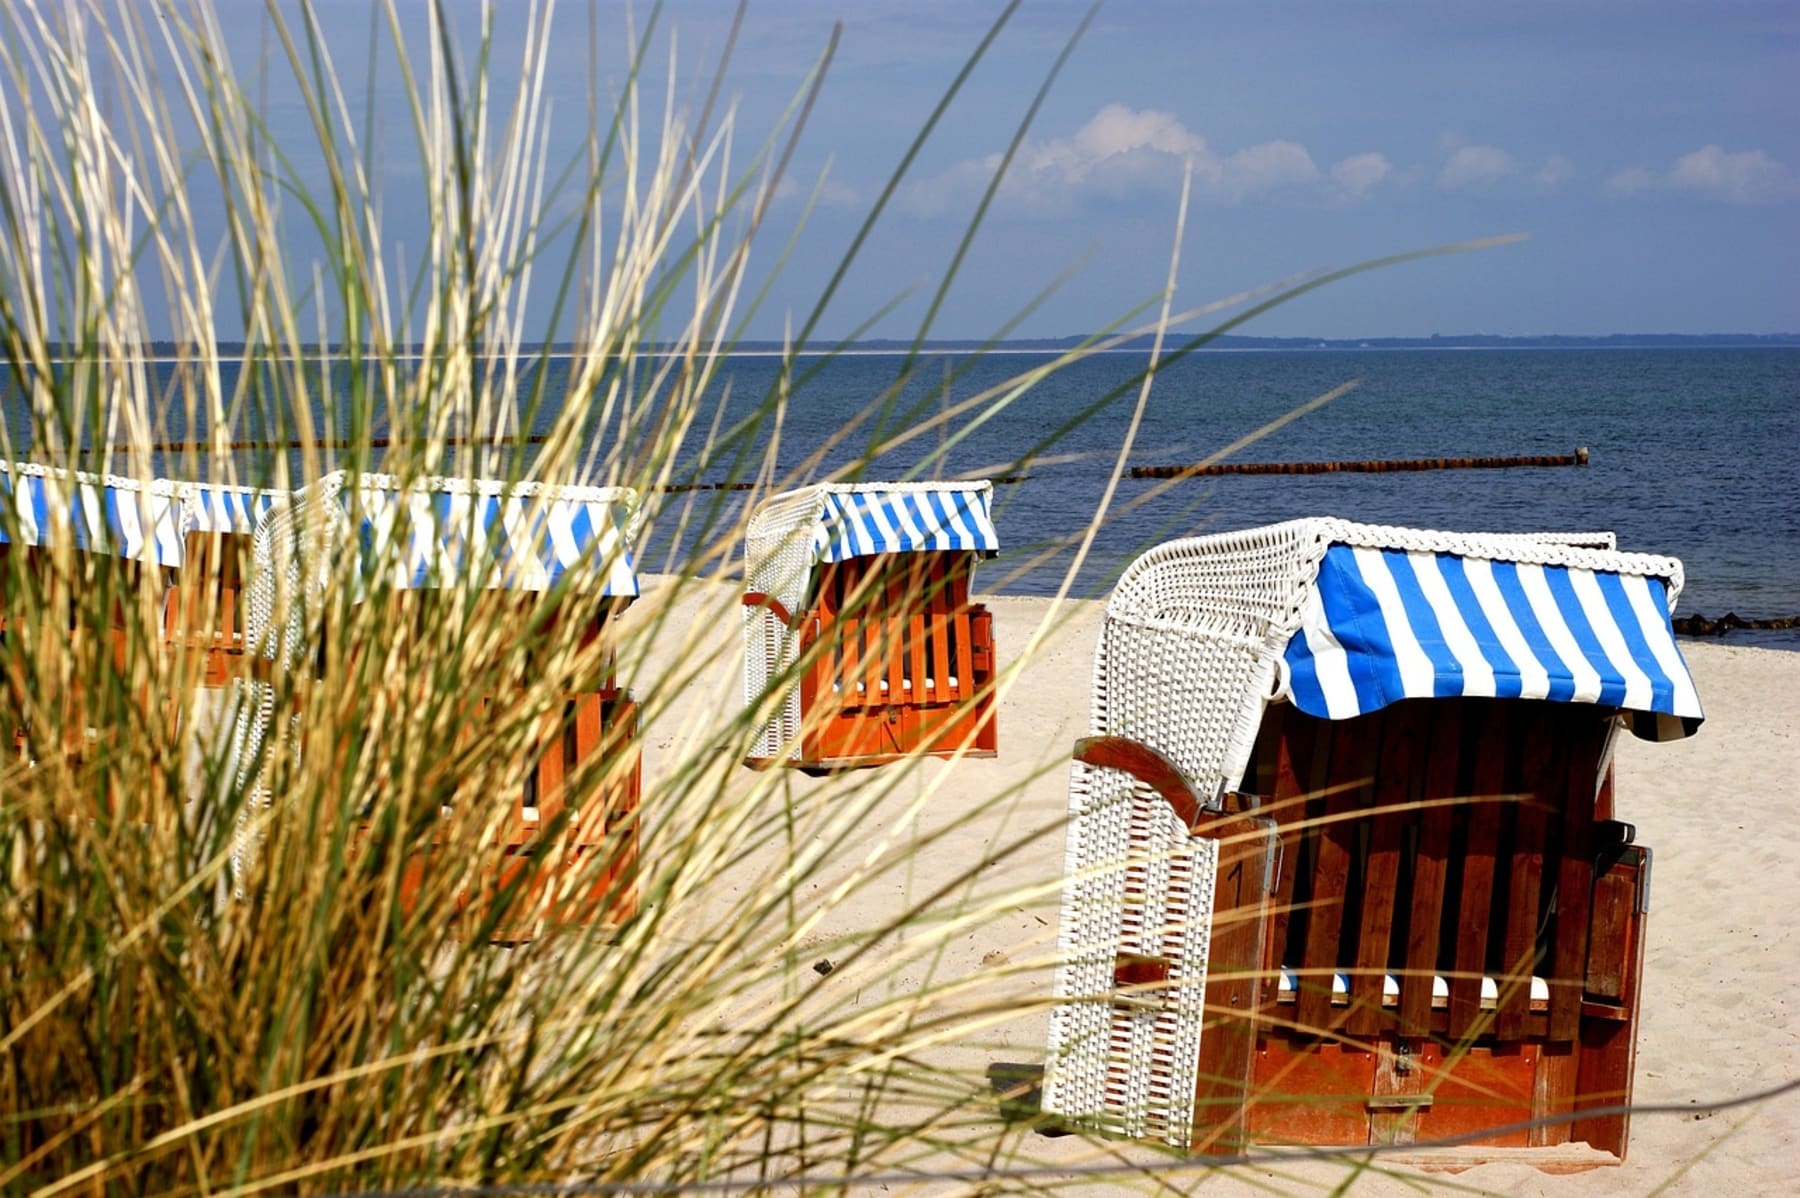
{"x":1694,"y":453}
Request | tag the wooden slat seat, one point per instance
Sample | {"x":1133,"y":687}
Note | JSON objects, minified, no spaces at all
{"x":896,"y":661}
{"x":1445,"y":866}
{"x":587,"y":837}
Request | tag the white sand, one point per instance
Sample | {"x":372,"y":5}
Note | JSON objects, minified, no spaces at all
{"x":1720,"y":991}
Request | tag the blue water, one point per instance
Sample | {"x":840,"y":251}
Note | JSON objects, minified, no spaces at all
{"x":1694,"y":453}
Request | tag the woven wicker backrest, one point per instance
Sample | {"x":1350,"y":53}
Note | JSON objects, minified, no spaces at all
{"x":1187,"y":654}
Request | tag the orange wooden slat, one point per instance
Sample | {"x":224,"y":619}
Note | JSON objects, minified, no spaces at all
{"x":549,"y":767}
{"x":1442,"y":760}
{"x":894,"y":629}
{"x":962,"y":654}
{"x":1350,"y":760}
{"x":1543,"y":760}
{"x":1286,"y":739}
{"x":918,"y":664}
{"x":620,"y":807}
{"x":848,"y":642}
{"x":874,"y":660}
{"x":1396,"y":786}
{"x":1480,"y":850}
{"x":1235,"y":980}
{"x":941,"y":662}
{"x":1575,"y":885}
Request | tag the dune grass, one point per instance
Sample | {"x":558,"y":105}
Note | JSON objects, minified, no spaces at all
{"x":215,"y":974}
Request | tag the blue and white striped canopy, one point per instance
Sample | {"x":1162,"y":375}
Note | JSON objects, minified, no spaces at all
{"x":98,"y":513}
{"x":863,"y":522}
{"x":519,"y":540}
{"x":1384,"y":624}
{"x":214,"y":507}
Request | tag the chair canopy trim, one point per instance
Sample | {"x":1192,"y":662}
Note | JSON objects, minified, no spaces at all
{"x":790,"y":534}
{"x":1381,"y":624}
{"x":512,"y":536}
{"x":99,"y":513}
{"x":865,"y":521}
{"x":218,"y":508}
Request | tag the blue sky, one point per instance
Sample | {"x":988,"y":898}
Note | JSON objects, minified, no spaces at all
{"x":1651,"y":149}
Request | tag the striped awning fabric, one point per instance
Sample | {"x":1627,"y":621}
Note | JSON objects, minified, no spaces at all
{"x":214,"y":507}
{"x":526,"y":538}
{"x":861,"y":522}
{"x":98,"y":513}
{"x":1384,"y":624}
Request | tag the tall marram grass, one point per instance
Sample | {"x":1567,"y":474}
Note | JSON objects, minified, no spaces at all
{"x":200,"y":990}
{"x":179,"y":1013}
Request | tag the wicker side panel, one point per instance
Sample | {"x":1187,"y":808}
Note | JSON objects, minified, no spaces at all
{"x":778,"y":562}
{"x":289,"y":565}
{"x":1196,"y":698}
{"x":1139,"y":888}
{"x":770,"y":651}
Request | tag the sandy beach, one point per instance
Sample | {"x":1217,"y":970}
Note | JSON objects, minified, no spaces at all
{"x":978,"y":845}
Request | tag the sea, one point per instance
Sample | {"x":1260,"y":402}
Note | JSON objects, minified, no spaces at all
{"x":1691,"y":452}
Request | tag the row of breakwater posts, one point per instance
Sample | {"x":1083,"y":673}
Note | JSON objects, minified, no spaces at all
{"x":1698,"y":625}
{"x":1200,"y":470}
{"x":1375,"y":466}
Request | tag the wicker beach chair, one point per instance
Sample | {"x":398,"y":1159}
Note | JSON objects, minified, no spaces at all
{"x":859,"y":636}
{"x":205,"y":615}
{"x":1342,"y":861}
{"x":413,"y":546}
{"x":119,"y":536}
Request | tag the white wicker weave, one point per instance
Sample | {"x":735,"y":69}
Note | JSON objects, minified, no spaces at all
{"x":284,"y":598}
{"x":1190,"y":653}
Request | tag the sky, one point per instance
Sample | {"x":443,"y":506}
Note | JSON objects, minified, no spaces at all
{"x":1650,"y":150}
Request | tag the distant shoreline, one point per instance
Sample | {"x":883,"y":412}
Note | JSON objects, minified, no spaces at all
{"x":166,"y":352}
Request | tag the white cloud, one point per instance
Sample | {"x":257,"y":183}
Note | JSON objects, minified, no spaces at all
{"x":1744,"y":177}
{"x":1471,"y":167}
{"x":1359,"y":174}
{"x":1118,"y":152}
{"x":1266,"y":167}
{"x":1124,"y":152}
{"x":1117,"y":130}
{"x":1735,"y":177}
{"x":831,"y":194}
{"x":1555,"y":171}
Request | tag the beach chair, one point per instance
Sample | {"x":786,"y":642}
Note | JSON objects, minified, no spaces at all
{"x":413,"y":546}
{"x":204,"y":625}
{"x":204,"y":617}
{"x":1344,"y":865}
{"x":858,"y":630}
{"x":65,"y":532}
